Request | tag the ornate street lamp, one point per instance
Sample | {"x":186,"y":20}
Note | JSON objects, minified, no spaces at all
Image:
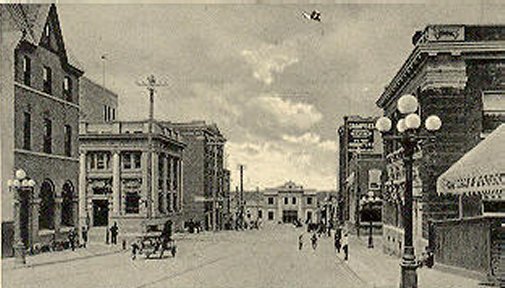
{"x":368,"y":201}
{"x":408,"y":135}
{"x":20,"y":184}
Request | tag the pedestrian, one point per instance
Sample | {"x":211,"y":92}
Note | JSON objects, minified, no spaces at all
{"x":300,"y":242}
{"x":84,"y":236}
{"x":113,"y":233}
{"x":345,"y":243}
{"x":314,"y":241}
{"x":135,"y":249}
{"x":338,"y":244}
{"x":71,"y":238}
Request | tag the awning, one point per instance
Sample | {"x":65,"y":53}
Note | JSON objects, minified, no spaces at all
{"x":479,"y":172}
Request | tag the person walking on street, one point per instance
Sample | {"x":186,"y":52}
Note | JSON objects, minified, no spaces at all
{"x":84,"y":236}
{"x":338,"y":244}
{"x":346,"y":246}
{"x":300,"y":242}
{"x":113,"y":233}
{"x":314,"y":241}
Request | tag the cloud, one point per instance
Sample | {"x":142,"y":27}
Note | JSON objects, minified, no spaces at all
{"x":286,"y":112}
{"x":269,"y":59}
{"x":311,"y":139}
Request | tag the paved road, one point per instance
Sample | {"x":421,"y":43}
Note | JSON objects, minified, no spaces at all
{"x":264,"y":258}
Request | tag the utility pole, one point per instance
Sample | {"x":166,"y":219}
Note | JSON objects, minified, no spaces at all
{"x":242,"y":203}
{"x":151,"y":85}
{"x":104,"y":58}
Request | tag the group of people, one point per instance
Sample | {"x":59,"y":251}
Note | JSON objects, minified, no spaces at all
{"x":341,"y":241}
{"x":73,"y":238}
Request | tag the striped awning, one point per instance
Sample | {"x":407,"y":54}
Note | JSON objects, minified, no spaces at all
{"x":479,"y":172}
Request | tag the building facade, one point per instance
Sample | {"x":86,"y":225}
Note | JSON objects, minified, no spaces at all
{"x":130,"y":178}
{"x":204,"y":173}
{"x":458,"y":73}
{"x":356,"y":136}
{"x":98,"y":104}
{"x":40,"y":118}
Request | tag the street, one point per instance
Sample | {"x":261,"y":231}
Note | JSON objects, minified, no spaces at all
{"x":253,"y":258}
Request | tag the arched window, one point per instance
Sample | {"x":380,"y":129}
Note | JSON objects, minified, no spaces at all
{"x":67,"y":205}
{"x":46,"y":212}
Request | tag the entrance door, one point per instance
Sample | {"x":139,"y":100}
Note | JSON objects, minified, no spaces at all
{"x":288,"y":216}
{"x":100,"y":213}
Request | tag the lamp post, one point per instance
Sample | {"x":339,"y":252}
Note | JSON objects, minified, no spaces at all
{"x":368,"y":201}
{"x":20,"y":184}
{"x":408,"y":135}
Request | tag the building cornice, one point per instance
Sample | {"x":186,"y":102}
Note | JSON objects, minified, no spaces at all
{"x":43,"y":94}
{"x":466,"y":50}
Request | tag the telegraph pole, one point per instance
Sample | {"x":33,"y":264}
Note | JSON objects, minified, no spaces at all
{"x":242,"y":204}
{"x":151,"y":85}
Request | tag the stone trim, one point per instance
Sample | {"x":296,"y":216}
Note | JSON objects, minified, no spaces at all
{"x":43,"y":94}
{"x":40,"y":154}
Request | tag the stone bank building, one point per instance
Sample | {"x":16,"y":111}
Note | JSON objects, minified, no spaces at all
{"x":124,"y":179}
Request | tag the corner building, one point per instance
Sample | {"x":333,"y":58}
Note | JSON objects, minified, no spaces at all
{"x":457,"y":72}
{"x":118,"y":181}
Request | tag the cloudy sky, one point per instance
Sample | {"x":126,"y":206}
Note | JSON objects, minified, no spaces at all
{"x":276,"y":83}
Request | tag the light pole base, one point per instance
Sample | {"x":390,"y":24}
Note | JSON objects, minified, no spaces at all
{"x":19,"y":253}
{"x":408,"y":274}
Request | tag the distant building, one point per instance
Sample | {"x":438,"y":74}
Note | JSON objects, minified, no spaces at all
{"x":458,"y":73}
{"x":39,"y":127}
{"x":283,"y":204}
{"x":117,"y":183}
{"x":98,"y":104}
{"x":204,"y":172}
{"x":357,"y":136}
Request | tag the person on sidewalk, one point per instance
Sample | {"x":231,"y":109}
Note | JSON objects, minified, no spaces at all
{"x":338,"y":244}
{"x":345,"y":246}
{"x":113,"y":233}
{"x":314,"y":241}
{"x":71,"y":239}
{"x":300,"y":242}
{"x":84,"y":236}
{"x":135,"y":249}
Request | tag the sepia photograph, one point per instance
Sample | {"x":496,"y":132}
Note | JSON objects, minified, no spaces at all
{"x":255,"y":144}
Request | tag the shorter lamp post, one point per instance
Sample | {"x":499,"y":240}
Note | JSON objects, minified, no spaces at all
{"x":20,"y":184}
{"x":408,"y":135}
{"x":368,"y":201}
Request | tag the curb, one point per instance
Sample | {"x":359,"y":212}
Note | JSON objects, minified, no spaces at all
{"x":18,"y":266}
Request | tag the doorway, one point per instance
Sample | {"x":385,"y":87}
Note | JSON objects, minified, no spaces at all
{"x":289,"y":216}
{"x":100,"y":213}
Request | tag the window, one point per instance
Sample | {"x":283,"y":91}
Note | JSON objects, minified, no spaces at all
{"x":47,"y":30}
{"x":270,"y":200}
{"x":293,"y":200}
{"x":68,"y":140}
{"x":309,"y":201}
{"x":113,"y":113}
{"x":309,"y":216}
{"x":27,"y":133}
{"x":260,"y":214}
{"x":286,"y":201}
{"x":374,"y":179}
{"x":270,"y":215}
{"x":48,"y":135}
{"x":99,"y":161}
{"x":47,"y":80}
{"x":67,"y":205}
{"x":132,"y":203}
{"x":105,"y":116}
{"x":27,"y":70}
{"x":67,"y":88}
{"x":131,"y":160}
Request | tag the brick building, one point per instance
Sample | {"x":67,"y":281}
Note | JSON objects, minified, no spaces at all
{"x":115,"y":176}
{"x":458,"y":73}
{"x":356,"y":136}
{"x":98,"y":104}
{"x":203,"y":173}
{"x":40,"y":118}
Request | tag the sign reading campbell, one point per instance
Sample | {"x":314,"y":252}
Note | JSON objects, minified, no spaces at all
{"x":361,"y":136}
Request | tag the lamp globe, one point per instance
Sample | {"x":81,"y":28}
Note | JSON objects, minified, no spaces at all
{"x":407,"y":104}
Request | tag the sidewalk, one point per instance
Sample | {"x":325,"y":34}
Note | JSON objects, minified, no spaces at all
{"x":381,"y":270}
{"x":48,"y":258}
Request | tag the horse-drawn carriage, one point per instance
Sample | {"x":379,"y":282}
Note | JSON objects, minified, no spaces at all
{"x":154,"y":242}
